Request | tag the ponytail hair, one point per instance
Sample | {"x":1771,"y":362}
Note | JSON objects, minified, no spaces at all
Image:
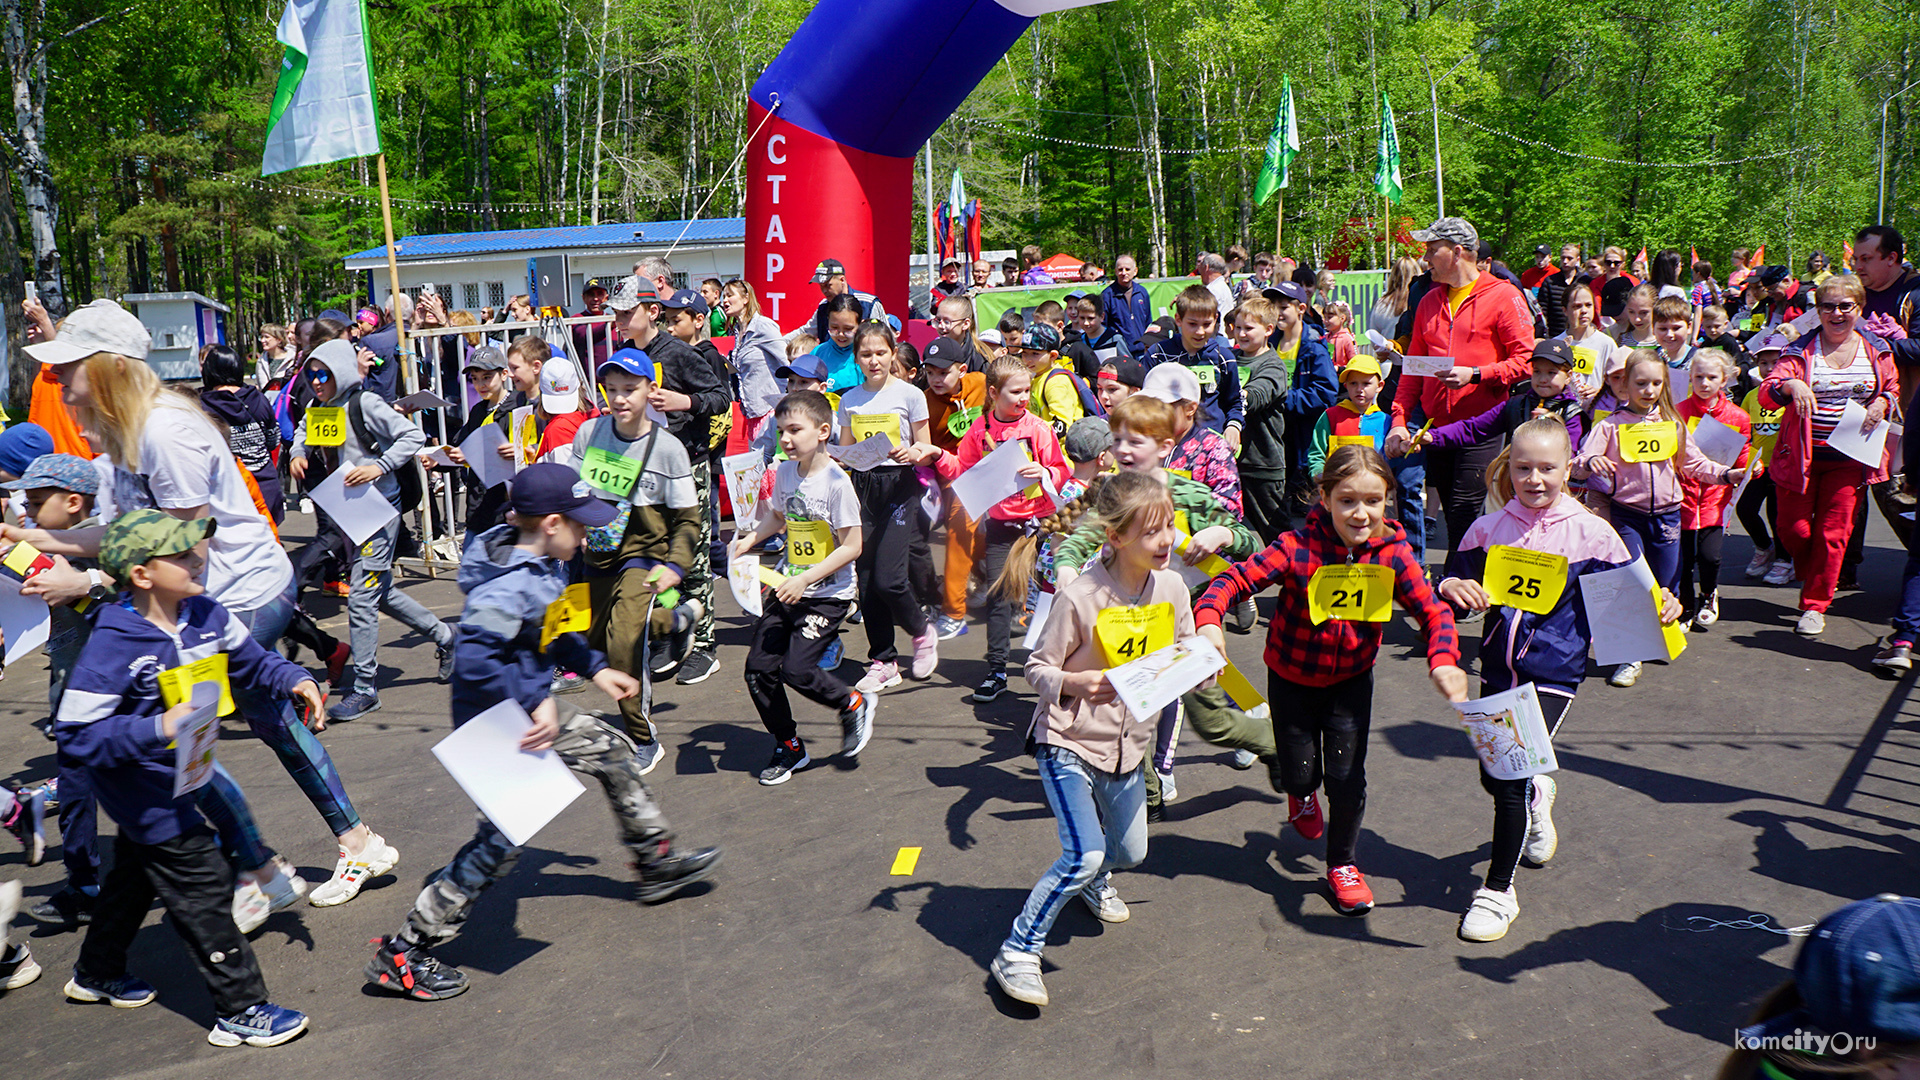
{"x":1118,"y":501}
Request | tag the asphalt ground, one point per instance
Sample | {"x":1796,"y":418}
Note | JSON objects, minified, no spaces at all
{"x":1759,"y":775}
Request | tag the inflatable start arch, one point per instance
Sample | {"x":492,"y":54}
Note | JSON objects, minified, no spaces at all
{"x":854,"y":95}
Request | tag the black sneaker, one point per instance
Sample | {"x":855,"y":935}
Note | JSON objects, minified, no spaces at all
{"x":699,"y":665}
{"x":667,"y":874}
{"x":567,"y":682}
{"x":856,"y":724}
{"x":680,"y":642}
{"x":786,"y":761}
{"x":1895,"y":659}
{"x":444,"y":655}
{"x":413,"y":973}
{"x":354,"y":706}
{"x":69,"y":908}
{"x":1155,"y":813}
{"x":125,"y":992}
{"x":990,"y":687}
{"x":1244,"y":614}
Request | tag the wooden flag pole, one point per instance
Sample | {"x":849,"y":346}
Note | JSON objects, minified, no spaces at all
{"x":393,"y":280}
{"x":1279,"y":223}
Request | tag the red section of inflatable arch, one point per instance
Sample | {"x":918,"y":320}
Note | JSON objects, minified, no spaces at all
{"x":810,"y":198}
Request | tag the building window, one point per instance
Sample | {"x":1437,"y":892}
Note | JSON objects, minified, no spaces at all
{"x":679,"y":279}
{"x":496,"y":294}
{"x":470,"y":295}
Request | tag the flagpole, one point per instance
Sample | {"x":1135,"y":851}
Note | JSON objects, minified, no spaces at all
{"x":393,"y":277}
{"x":1279,"y":223}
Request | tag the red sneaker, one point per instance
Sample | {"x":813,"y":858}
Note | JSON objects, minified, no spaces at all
{"x":1350,"y":893}
{"x":337,"y":663}
{"x":335,"y":588}
{"x":1304,"y":814}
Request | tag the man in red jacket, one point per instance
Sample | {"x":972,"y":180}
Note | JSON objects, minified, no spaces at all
{"x":1483,"y":324}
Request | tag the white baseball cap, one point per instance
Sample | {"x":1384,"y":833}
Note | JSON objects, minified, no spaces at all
{"x":559,"y":386}
{"x":102,"y":326}
{"x":1172,"y":383}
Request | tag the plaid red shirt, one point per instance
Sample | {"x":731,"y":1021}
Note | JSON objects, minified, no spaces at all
{"x":1337,"y":649}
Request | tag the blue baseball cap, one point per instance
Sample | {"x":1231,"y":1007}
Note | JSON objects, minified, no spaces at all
{"x":20,"y":444}
{"x":1858,"y":975}
{"x":684,"y":299}
{"x":634,"y":362}
{"x":551,"y":488}
{"x":804,"y":366}
{"x":67,"y":472}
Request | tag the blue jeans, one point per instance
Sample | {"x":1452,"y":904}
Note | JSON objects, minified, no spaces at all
{"x":272,"y":719}
{"x":1103,"y":828}
{"x":1906,"y":618}
{"x":370,"y":588}
{"x":1411,"y":474}
{"x":1657,"y":536}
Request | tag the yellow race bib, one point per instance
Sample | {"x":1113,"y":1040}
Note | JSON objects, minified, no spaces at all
{"x":808,"y":542}
{"x":326,"y":427}
{"x":1655,"y":440}
{"x":1128,"y":633}
{"x":866,"y":425}
{"x":1584,"y":360}
{"x":1335,"y":442}
{"x":571,"y":614}
{"x":176,"y":684}
{"x":1357,"y":592}
{"x":1528,"y":580}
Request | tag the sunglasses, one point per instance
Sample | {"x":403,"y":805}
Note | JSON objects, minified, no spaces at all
{"x":1613,"y":262}
{"x":1836,"y":309}
{"x":319,"y":375}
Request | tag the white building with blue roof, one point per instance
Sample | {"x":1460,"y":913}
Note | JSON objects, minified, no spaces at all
{"x":474,"y":270}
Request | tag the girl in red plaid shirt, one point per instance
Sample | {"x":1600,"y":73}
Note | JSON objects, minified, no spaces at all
{"x":1337,"y":576}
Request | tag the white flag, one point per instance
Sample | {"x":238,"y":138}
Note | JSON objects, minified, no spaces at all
{"x":323,"y":109}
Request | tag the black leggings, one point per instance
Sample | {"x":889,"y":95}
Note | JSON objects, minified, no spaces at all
{"x":1321,"y":736}
{"x":1700,"y":548}
{"x":1759,"y":493}
{"x":1510,"y":799}
{"x":998,"y":538}
{"x":785,"y":651}
{"x":889,"y":513}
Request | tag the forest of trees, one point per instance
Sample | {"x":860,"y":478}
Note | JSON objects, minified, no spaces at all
{"x":134,"y":143}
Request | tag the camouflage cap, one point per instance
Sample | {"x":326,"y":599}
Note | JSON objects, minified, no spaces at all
{"x":134,"y":538}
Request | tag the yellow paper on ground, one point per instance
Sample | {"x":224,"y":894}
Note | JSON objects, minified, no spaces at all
{"x":1529,"y":580}
{"x":1235,"y":683}
{"x":1655,"y":440}
{"x":867,"y":425}
{"x":1128,"y":633}
{"x":571,"y":614}
{"x":1357,"y":592}
{"x":905,"y":861}
{"x":326,"y":427}
{"x":176,"y":684}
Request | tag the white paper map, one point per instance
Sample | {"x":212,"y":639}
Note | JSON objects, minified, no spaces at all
{"x":868,"y":453}
{"x":360,"y":510}
{"x":519,"y":792}
{"x":1151,"y":683}
{"x":1509,"y":733}
{"x":194,"y":738}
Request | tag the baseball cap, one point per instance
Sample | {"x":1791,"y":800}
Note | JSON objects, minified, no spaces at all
{"x":684,"y":300}
{"x":102,"y":326}
{"x":1541,"y":249}
{"x":1087,"y":438}
{"x":1126,"y":372}
{"x":1361,"y":364}
{"x":943,"y":352}
{"x":634,"y":362}
{"x":22,"y":444}
{"x":68,"y":472}
{"x":486,"y":358}
{"x":134,"y":538}
{"x":593,"y":287}
{"x":1171,"y":383}
{"x":1040,"y":337}
{"x":551,"y":488}
{"x":1451,"y":229}
{"x":950,"y":261}
{"x":1858,"y":974}
{"x":1554,"y":350}
{"x":1768,"y":276}
{"x":992,"y":336}
{"x":804,"y":366}
{"x":828,"y":268}
{"x":1287,"y":291}
{"x":559,"y":386}
{"x":631,"y":293}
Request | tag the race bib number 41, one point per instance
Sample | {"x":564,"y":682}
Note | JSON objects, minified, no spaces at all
{"x":1361,"y":592}
{"x":1128,"y":633}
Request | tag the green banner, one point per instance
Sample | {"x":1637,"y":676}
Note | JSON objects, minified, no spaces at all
{"x":1359,"y":288}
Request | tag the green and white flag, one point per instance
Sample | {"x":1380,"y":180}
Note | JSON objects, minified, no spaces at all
{"x":1386,"y":171}
{"x":323,"y":109}
{"x":1282,"y":143}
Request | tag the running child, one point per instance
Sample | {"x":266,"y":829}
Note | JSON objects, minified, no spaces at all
{"x":889,"y":497}
{"x":1335,"y":575}
{"x":1591,"y":348}
{"x":1198,"y":349}
{"x":1642,"y":450}
{"x":814,"y":504}
{"x":1090,"y":751}
{"x":955,"y":399}
{"x":1356,"y":419}
{"x":513,"y":575}
{"x":1703,"y":510}
{"x":1757,"y":506}
{"x":1530,"y":479}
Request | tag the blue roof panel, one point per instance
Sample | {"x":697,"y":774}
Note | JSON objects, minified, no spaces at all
{"x":623,"y":234}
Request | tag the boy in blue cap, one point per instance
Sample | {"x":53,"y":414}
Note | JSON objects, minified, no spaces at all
{"x":514,"y":575}
{"x":20,"y":445}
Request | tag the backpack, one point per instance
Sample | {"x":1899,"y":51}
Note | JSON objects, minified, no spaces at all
{"x":408,"y":475}
{"x":1089,"y":403}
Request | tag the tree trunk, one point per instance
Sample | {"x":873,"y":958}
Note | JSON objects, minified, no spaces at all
{"x":600,"y":106}
{"x":487,"y":219}
{"x":27,"y":69}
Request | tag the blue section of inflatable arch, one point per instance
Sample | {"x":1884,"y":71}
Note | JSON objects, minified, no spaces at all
{"x":882,"y":75}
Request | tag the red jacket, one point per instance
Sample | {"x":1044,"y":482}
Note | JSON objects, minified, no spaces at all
{"x":1043,"y":446}
{"x":1493,"y":332}
{"x":1705,"y":505}
{"x":1795,"y":445}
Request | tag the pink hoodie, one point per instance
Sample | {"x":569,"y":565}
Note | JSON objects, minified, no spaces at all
{"x":1651,"y":487}
{"x":1042,"y":445}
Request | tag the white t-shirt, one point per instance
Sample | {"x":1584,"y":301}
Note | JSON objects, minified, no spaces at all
{"x":899,"y":397}
{"x":1222,"y":296}
{"x":1593,"y":350}
{"x":184,"y":463}
{"x":826,"y":496}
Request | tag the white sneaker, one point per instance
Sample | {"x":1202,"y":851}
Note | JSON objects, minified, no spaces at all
{"x":1542,"y":839}
{"x":1106,"y":905}
{"x":1169,"y":790}
{"x":649,"y":756}
{"x":1709,"y":612}
{"x":1625,"y":675}
{"x":881,"y":674}
{"x":1244,"y":759}
{"x":1762,"y":560}
{"x":1781,"y":573}
{"x":1489,"y":915}
{"x":350,"y":874}
{"x":1811,"y":624}
{"x":250,"y":907}
{"x":1018,"y":974}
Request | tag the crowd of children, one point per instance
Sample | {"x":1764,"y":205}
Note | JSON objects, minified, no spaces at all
{"x":1156,"y":505}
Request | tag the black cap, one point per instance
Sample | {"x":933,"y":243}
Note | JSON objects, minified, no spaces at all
{"x":552,"y":488}
{"x":1127,"y":372}
{"x":943,"y":353}
{"x":828,"y":268}
{"x":1287,"y":291}
{"x":1555,"y":350}
{"x":1772,"y":275}
{"x":1541,"y":249}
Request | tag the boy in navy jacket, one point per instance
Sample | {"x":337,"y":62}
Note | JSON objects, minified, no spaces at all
{"x":113,"y":722}
{"x":513,"y":575}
